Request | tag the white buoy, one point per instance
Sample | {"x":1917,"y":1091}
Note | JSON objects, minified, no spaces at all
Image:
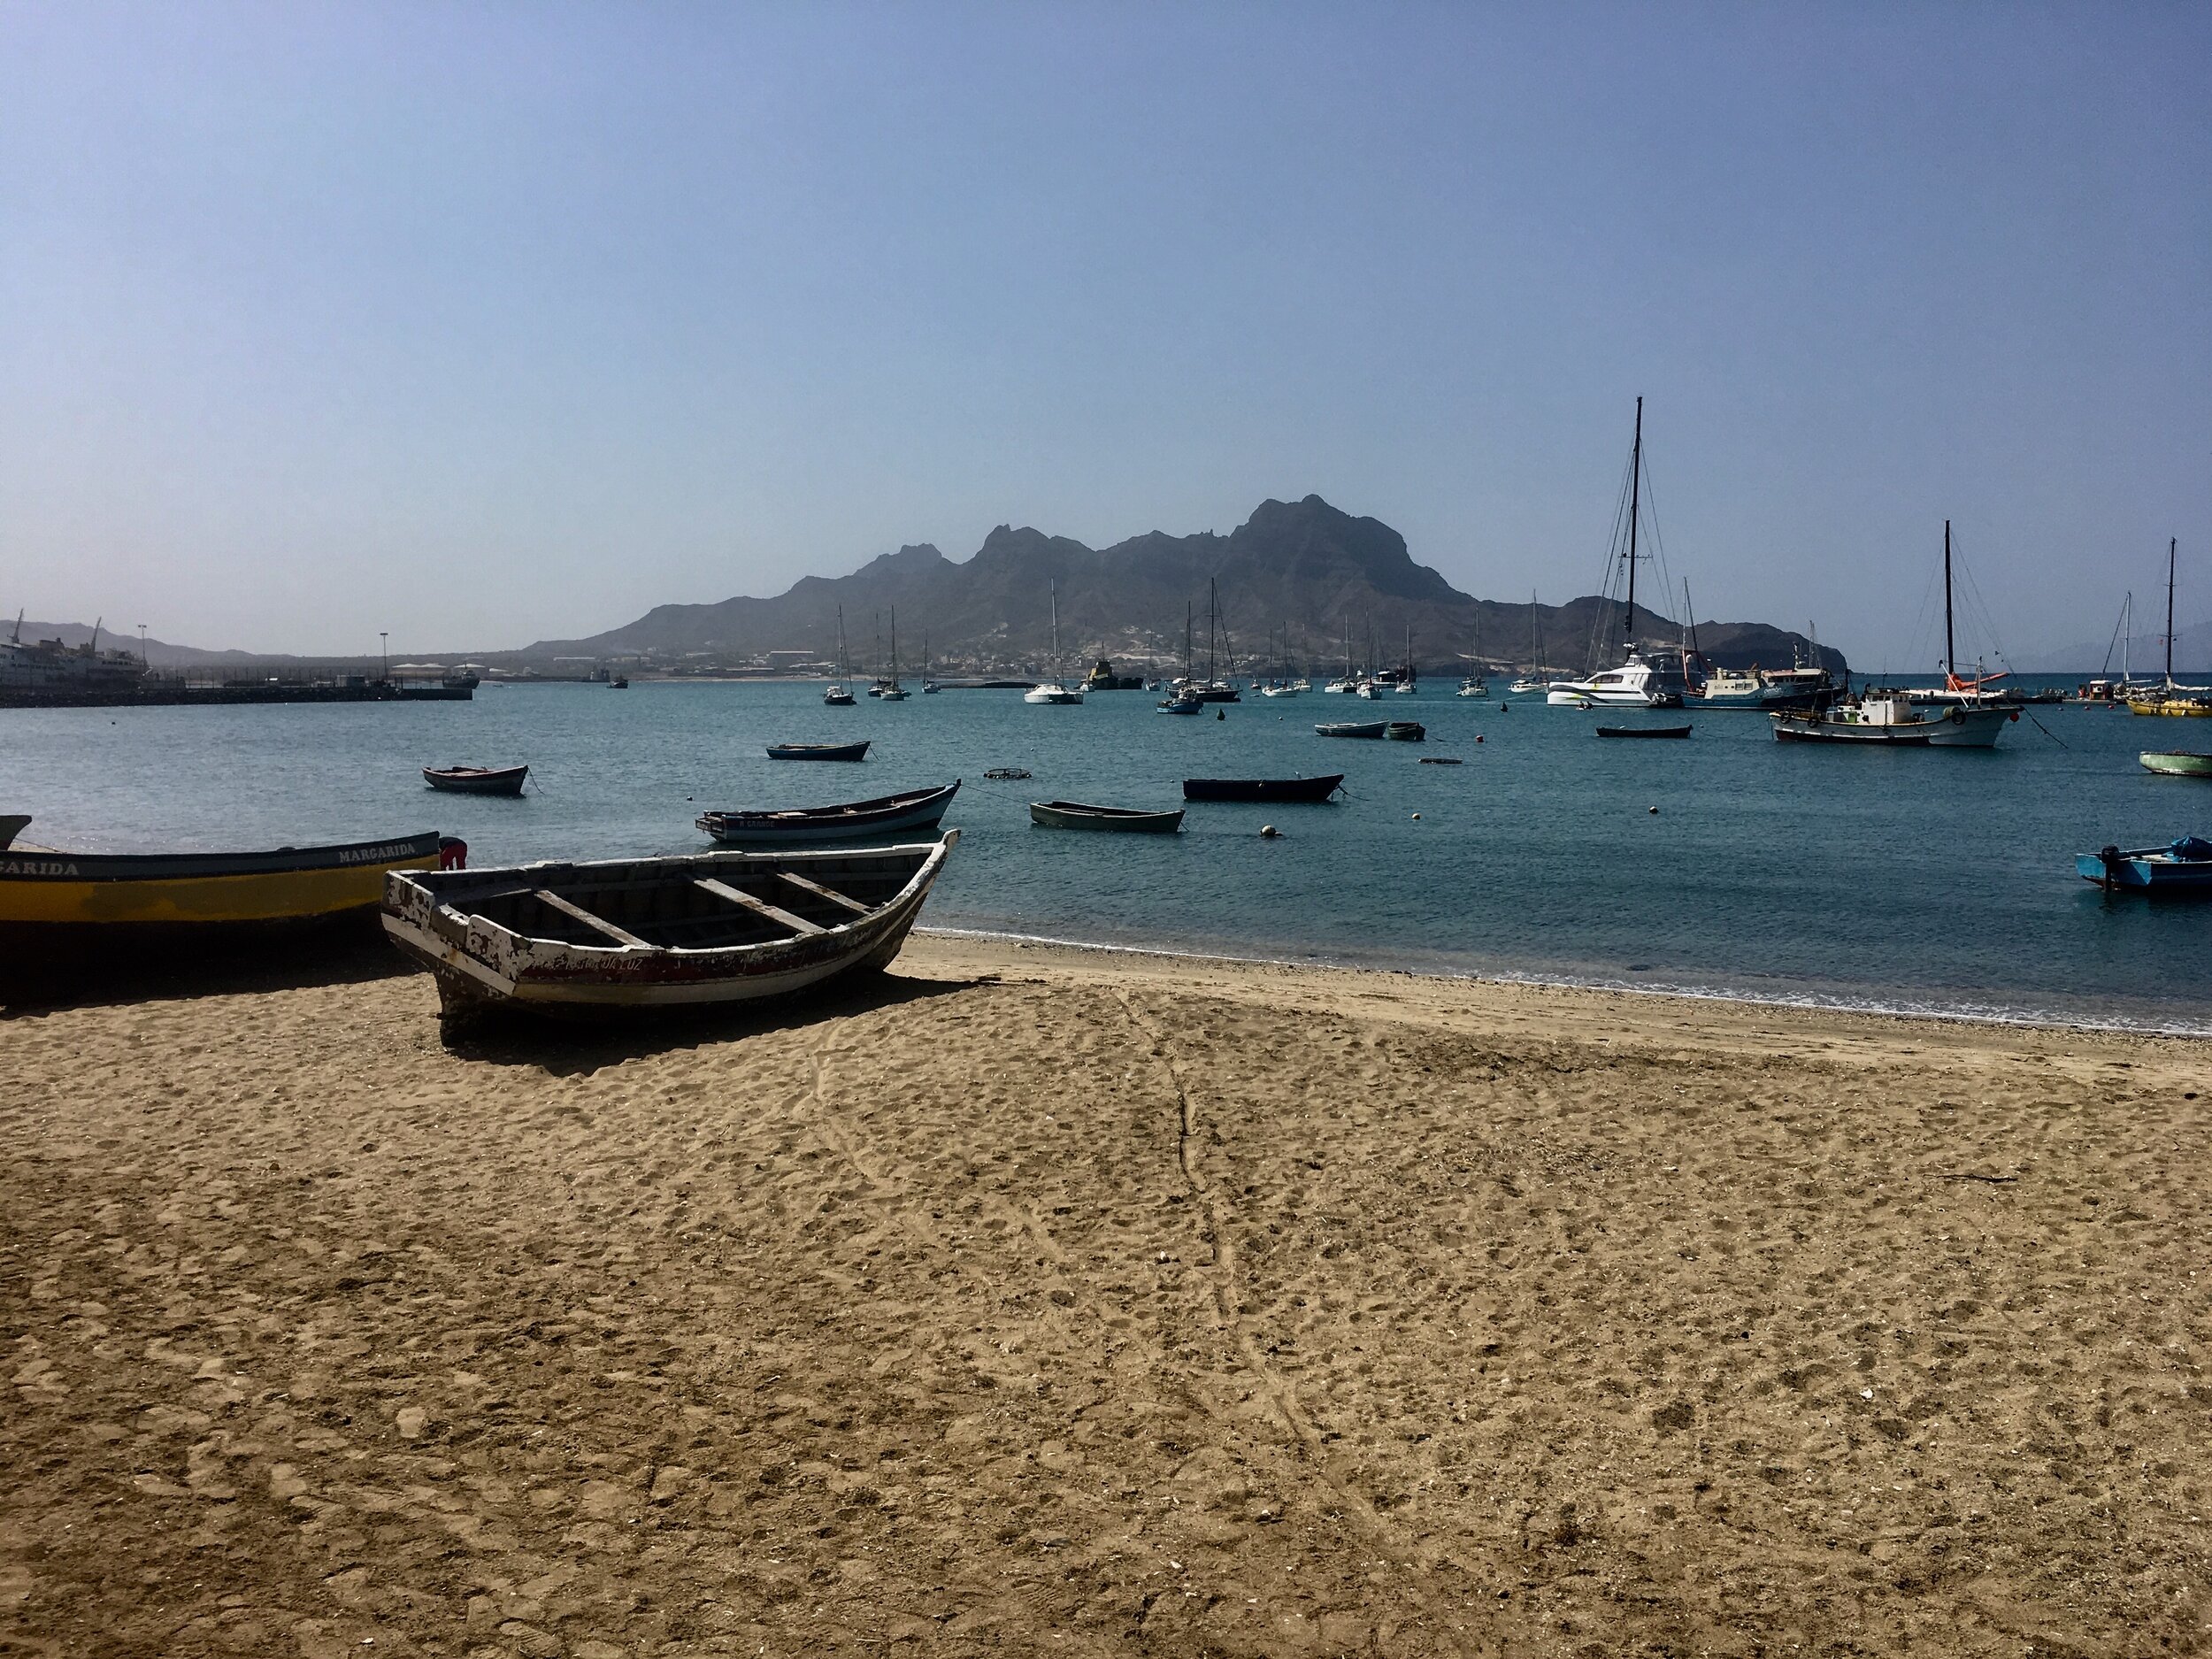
{"x":1268,"y":831}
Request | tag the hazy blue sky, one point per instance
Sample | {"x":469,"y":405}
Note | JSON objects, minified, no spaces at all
{"x":480,"y":323}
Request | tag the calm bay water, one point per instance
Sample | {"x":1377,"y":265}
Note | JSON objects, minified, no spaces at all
{"x":1912,"y":880}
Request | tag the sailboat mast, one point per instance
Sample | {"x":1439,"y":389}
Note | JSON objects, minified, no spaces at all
{"x":2171,"y":542}
{"x":1950,"y":650}
{"x":1635,"y":505}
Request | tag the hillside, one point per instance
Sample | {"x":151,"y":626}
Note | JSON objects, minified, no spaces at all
{"x":1302,"y":565}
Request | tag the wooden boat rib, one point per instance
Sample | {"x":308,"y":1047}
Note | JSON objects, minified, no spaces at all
{"x":476,"y":779}
{"x":909,"y":812}
{"x":626,"y":935}
{"x":819,"y":751}
{"x":1643,"y":731}
{"x":102,"y":899}
{"x":1079,"y":815}
{"x":1262,"y":789}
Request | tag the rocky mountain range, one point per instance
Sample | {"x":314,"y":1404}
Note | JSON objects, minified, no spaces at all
{"x":1302,"y":570}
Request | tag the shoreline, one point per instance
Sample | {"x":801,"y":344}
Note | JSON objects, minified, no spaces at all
{"x":1838,"y":1003}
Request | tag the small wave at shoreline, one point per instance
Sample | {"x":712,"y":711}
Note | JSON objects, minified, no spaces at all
{"x":1931,"y":1007}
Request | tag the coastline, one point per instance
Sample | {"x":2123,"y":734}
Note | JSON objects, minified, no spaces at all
{"x":1930,"y":1007}
{"x":1079,"y":1300}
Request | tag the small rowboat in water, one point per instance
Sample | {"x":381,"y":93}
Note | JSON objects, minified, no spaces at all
{"x":2183,"y":866}
{"x":1353,"y":728}
{"x":59,"y":904}
{"x":1643,"y":731}
{"x":1406,"y":732}
{"x":818,"y":751}
{"x":476,"y":779}
{"x":632,"y":935}
{"x":1076,"y":815}
{"x":2177,"y":763}
{"x":886,"y":817}
{"x":1271,"y":790}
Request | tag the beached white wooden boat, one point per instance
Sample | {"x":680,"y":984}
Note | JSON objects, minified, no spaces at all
{"x":626,"y":935}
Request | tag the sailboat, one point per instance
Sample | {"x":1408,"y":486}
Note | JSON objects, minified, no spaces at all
{"x":1055,"y":690}
{"x":837,"y":696}
{"x":1215,"y":688}
{"x":928,"y":685}
{"x":1889,"y":718}
{"x":2166,"y":699}
{"x":1634,"y":684}
{"x":1405,"y":679}
{"x":1284,"y":686}
{"x":892,"y":691}
{"x":1957,"y":689}
{"x":1474,"y":685}
{"x":1533,"y":680}
{"x":1350,"y":682}
{"x":1178,"y":699}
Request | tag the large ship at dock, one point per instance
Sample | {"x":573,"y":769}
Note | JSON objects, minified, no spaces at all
{"x":49,"y":665}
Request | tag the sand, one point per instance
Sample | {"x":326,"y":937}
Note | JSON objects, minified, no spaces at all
{"x":1047,"y":1301}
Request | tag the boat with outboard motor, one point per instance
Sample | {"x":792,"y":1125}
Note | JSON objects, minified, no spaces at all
{"x":2182,"y":866}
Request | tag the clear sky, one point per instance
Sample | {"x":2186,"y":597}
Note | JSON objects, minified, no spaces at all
{"x":481,"y":323}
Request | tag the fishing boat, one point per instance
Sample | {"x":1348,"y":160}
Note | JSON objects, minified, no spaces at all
{"x":476,"y":779}
{"x":1643,"y":731}
{"x":620,"y":682}
{"x":1179,"y":703}
{"x":110,"y":903}
{"x":1054,"y":691}
{"x":1353,"y":728}
{"x":12,"y":825}
{"x":2177,"y":763}
{"x":1077,"y":814}
{"x":1889,"y":719}
{"x":839,"y":695}
{"x":1406,"y":732}
{"x":630,"y":936}
{"x":1266,"y":789}
{"x":2180,"y":866}
{"x":819,"y":751}
{"x":909,"y":812}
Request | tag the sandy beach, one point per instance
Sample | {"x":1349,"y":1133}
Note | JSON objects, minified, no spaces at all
{"x":1041,"y":1301}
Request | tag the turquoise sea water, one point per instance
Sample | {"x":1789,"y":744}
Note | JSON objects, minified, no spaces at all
{"x":1924,"y":880}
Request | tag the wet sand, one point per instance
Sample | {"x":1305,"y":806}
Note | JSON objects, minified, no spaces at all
{"x":1053,"y":1301}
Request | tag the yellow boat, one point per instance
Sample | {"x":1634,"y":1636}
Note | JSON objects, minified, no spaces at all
{"x":51,"y":899}
{"x":2180,"y":706}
